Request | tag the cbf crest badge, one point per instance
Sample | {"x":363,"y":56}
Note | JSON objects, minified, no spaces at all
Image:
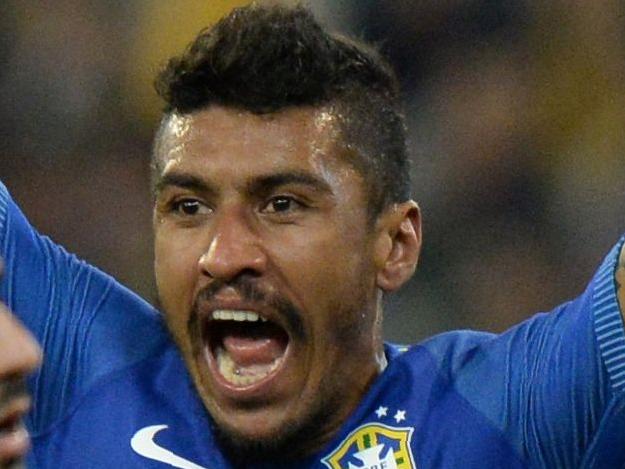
{"x":374,"y":446}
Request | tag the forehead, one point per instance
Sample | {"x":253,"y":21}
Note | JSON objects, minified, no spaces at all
{"x":307,"y":138}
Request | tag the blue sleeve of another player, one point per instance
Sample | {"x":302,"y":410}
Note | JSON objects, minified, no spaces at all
{"x":87,"y":324}
{"x":555,"y":384}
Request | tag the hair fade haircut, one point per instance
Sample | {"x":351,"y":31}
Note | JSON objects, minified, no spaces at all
{"x":264,"y":59}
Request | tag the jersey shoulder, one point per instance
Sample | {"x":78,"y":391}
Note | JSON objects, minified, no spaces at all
{"x":448,"y":350}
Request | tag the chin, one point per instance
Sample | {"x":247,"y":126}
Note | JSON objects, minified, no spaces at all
{"x":257,"y":433}
{"x":280,"y":441}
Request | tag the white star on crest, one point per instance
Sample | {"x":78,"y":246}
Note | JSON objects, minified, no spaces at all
{"x":381,"y":412}
{"x":400,"y":415}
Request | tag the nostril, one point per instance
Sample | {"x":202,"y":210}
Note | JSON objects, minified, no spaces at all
{"x":249,"y":272}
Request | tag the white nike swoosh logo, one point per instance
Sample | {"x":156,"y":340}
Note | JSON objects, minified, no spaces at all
{"x":144,"y":445}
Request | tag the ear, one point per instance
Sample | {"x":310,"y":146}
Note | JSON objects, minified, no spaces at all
{"x":397,"y":245}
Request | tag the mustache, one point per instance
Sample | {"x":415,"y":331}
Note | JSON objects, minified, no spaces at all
{"x":12,"y":387}
{"x":251,"y":292}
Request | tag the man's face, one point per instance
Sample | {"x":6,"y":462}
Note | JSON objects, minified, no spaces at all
{"x":19,"y":355}
{"x":265,"y":269}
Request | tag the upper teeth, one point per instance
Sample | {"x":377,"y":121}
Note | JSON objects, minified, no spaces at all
{"x":236,"y":315}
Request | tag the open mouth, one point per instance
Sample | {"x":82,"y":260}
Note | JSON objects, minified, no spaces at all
{"x":244,"y":348}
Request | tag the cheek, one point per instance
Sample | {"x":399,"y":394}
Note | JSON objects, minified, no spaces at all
{"x":326,"y":271}
{"x":175,"y":267}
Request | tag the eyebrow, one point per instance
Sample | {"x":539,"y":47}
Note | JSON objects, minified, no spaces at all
{"x":260,"y":184}
{"x":185,"y":181}
{"x":269,"y":182}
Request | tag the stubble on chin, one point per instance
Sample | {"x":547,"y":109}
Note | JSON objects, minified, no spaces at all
{"x":293,"y":440}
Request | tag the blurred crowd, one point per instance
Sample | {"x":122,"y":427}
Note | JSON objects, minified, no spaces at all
{"x":516,"y":118}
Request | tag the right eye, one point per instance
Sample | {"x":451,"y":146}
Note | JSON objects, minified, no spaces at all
{"x":189,"y":207}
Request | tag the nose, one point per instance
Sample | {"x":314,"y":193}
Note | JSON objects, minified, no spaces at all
{"x":234,"y":248}
{"x":19,"y":353}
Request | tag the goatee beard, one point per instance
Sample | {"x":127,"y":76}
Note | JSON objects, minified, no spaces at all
{"x":295,"y":440}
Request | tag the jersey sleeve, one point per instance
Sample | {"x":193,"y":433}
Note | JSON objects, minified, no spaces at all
{"x":555,"y":384}
{"x":87,"y":324}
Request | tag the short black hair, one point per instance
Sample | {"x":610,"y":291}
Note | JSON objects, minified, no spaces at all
{"x":265,"y":59}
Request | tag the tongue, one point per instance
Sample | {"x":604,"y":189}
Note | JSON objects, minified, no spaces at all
{"x":259,"y":344}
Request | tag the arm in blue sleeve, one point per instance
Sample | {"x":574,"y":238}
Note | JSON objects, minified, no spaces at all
{"x":87,"y":324}
{"x":554,"y":383}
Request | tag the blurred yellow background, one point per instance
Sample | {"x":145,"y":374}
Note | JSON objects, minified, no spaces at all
{"x":160,"y":33}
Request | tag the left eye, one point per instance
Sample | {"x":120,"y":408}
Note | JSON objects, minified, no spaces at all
{"x":281,"y":204}
{"x":189,"y":207}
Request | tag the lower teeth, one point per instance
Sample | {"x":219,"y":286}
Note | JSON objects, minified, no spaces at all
{"x":243,"y":376}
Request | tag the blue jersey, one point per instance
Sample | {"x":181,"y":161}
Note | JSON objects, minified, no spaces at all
{"x":114,"y":392}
